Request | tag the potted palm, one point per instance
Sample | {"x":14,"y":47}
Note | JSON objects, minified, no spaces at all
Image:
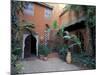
{"x":73,"y":38}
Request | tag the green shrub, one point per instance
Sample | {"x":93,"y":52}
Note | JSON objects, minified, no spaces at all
{"x":16,"y":51}
{"x":15,"y":66}
{"x":55,"y":25}
{"x":84,"y":60}
{"x":63,"y":52}
{"x":15,"y":55}
{"x":13,"y":59}
{"x":44,"y":50}
{"x":40,"y":49}
{"x":18,"y":67}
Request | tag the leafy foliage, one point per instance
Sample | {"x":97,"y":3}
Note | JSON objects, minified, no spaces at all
{"x":84,"y":60}
{"x":90,"y":13}
{"x":73,"y":38}
{"x":28,"y":24}
{"x":61,"y":31}
{"x":17,"y":9}
{"x":16,"y":47}
{"x":44,"y":50}
{"x":63,"y":51}
{"x":55,"y":25}
{"x":91,"y":16}
{"x":70,"y":37}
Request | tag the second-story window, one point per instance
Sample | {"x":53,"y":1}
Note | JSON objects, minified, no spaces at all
{"x":29,"y":9}
{"x":48,"y":13}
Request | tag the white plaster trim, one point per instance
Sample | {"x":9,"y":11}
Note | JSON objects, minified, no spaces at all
{"x":37,"y":41}
{"x":24,"y":37}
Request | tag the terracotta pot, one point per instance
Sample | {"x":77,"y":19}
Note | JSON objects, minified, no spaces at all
{"x":45,"y":58}
{"x":69,"y":57}
{"x":41,"y":57}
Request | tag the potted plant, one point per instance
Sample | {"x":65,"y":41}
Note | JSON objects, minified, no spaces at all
{"x":73,"y":38}
{"x":69,"y":57}
{"x":43,"y":52}
{"x":70,"y":38}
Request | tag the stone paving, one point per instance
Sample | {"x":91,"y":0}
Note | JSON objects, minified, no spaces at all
{"x":51,"y":65}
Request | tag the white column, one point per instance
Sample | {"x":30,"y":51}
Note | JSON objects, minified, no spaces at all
{"x":37,"y":41}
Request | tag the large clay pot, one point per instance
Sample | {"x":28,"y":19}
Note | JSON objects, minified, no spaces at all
{"x":69,"y":57}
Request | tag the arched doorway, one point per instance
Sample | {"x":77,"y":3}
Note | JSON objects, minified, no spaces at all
{"x":30,"y":46}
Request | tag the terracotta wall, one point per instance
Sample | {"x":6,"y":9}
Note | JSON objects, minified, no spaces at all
{"x":38,"y":19}
{"x":70,"y":16}
{"x":65,"y":18}
{"x":56,"y":12}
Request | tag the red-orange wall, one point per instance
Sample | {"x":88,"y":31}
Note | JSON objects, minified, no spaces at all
{"x":38,"y":19}
{"x":68,"y":17}
{"x":65,"y":18}
{"x":56,"y":12}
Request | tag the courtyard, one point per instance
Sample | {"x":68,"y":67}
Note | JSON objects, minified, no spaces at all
{"x":67,"y":29}
{"x":35,"y":65}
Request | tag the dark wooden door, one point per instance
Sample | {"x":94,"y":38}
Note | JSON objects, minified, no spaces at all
{"x":30,"y":46}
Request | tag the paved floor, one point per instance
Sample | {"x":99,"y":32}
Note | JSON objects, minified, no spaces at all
{"x":52,"y":64}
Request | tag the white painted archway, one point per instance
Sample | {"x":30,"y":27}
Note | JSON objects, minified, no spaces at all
{"x":24,"y":37}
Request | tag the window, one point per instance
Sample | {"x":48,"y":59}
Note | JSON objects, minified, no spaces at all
{"x":29,"y":9}
{"x":48,"y":13}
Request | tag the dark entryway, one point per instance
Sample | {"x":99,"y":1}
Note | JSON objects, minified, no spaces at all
{"x":76,"y":26}
{"x":30,"y":46}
